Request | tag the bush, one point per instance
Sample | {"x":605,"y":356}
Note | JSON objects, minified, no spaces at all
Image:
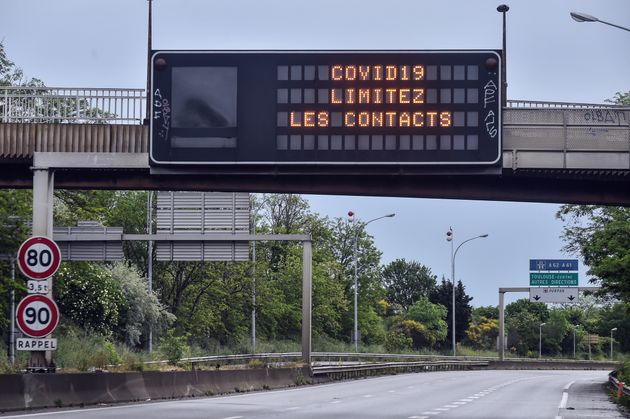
{"x":396,"y":341}
{"x":174,"y":347}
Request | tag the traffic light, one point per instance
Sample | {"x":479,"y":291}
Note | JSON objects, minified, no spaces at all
{"x":449,"y":235}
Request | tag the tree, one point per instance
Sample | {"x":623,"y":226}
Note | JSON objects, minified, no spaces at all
{"x":424,"y":322}
{"x":88,"y":296}
{"x":523,"y":319}
{"x":602,"y":236}
{"x":143,"y":311}
{"x":620,"y":99}
{"x":443,"y":294}
{"x":482,"y":332}
{"x":405,"y":282}
{"x":11,"y":75}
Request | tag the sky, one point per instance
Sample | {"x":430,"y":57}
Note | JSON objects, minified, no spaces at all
{"x":550,"y":57}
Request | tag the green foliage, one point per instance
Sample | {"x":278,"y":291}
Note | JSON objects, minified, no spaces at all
{"x":88,"y":296}
{"x":482,"y":332}
{"x":424,"y":323}
{"x":397,"y":341}
{"x":405,"y":282}
{"x":522,"y":319}
{"x":81,"y":350}
{"x":489,"y":312}
{"x":174,"y":347}
{"x":620,"y":98}
{"x":602,"y":236}
{"x":11,"y":75}
{"x":142,"y":310}
{"x":443,"y":295}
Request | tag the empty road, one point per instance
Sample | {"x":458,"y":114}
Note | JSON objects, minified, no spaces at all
{"x":467,"y":394}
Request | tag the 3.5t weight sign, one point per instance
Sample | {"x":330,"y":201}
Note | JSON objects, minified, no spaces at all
{"x":39,"y":258}
{"x":37,"y":316}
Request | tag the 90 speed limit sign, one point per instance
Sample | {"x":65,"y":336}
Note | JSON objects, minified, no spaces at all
{"x":37,"y":315}
{"x":39,"y":258}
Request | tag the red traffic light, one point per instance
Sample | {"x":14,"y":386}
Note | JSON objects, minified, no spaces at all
{"x":350,"y":214}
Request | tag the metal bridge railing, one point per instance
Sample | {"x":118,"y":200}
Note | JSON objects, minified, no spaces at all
{"x":618,"y":385}
{"x":539,"y":104}
{"x":74,"y":105}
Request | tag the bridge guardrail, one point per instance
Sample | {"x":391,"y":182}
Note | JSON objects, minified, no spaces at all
{"x":72,"y":105}
{"x":351,"y":371}
{"x":618,"y":385}
{"x":346,"y":358}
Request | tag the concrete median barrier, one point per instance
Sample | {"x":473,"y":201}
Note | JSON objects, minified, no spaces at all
{"x":29,"y":391}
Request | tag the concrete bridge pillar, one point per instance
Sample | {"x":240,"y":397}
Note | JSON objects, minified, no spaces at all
{"x":43,"y":190}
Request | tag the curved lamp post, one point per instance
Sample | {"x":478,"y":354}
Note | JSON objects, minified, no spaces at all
{"x":356,"y":286}
{"x":449,"y":237}
{"x":583,"y":17}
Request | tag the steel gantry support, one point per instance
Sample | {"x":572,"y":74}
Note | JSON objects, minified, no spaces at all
{"x":502,"y":292}
{"x":43,"y":192}
{"x":307,"y":267}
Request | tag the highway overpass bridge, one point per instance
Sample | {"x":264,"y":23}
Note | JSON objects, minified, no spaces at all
{"x":552,"y":152}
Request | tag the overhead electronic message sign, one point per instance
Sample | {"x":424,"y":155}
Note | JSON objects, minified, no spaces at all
{"x":326,"y":108}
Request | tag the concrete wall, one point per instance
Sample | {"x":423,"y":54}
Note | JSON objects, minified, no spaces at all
{"x":25,"y":391}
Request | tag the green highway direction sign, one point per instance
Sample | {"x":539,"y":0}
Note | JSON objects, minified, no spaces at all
{"x":546,"y":279}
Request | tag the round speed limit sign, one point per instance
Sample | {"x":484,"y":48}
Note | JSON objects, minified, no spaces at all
{"x":39,"y":257}
{"x":37,"y":315}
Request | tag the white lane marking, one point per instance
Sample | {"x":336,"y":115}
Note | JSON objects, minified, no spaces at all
{"x":233,"y":417}
{"x":430,"y":412}
{"x":563,"y":402}
{"x":566,"y":388}
{"x":391,"y":391}
{"x":565,"y":396}
{"x":335,"y":401}
{"x":452,"y":406}
{"x":367,"y":396}
{"x":418,"y":417}
{"x":291,"y":408}
{"x":441,"y":409}
{"x":460,"y":403}
{"x":468,"y":399}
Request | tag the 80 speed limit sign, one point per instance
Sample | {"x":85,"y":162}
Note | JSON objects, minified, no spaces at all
{"x":37,"y":315}
{"x":39,"y":258}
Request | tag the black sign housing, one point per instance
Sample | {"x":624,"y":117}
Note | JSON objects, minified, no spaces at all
{"x":325,"y":108}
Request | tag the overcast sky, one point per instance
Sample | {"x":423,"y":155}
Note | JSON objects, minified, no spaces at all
{"x":89,"y":43}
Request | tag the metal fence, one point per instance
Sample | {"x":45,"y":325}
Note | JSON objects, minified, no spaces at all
{"x":127,"y":106}
{"x":71,"y":105}
{"x":539,"y":104}
{"x":618,"y":385}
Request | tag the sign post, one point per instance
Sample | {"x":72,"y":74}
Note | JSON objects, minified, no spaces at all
{"x":37,"y":314}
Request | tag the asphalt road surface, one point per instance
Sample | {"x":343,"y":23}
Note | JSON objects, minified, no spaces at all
{"x":454,"y":394}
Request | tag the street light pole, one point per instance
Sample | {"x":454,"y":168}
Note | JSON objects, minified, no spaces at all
{"x":356,"y":264}
{"x":611,"y":342}
{"x":583,"y":17}
{"x":503,"y":9}
{"x":574,"y":342}
{"x":449,"y":237}
{"x":540,"y":339}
